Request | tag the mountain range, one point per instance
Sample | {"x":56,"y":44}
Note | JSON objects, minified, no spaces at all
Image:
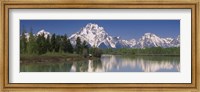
{"x":96,"y":36}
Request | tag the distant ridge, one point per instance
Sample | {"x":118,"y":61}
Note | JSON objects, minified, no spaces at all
{"x":96,"y":36}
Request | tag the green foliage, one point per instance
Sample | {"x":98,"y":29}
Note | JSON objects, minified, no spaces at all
{"x":48,"y":43}
{"x":23,"y":42}
{"x":39,"y":45}
{"x":145,"y":51}
{"x":78,"y":47}
{"x":85,"y":49}
{"x":57,"y":43}
{"x":42,"y":45}
{"x":66,"y":45}
{"x":53,"y":43}
{"x":69,"y":46}
{"x":31,"y":44}
{"x":96,"y":52}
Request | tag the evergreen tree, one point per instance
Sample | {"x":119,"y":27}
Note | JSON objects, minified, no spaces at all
{"x":84,"y":45}
{"x":78,"y":45}
{"x":31,"y":43}
{"x":23,"y":41}
{"x":48,"y":44}
{"x":57,"y":43}
{"x":53,"y":43}
{"x":65,"y":44}
{"x":85,"y":50}
{"x":70,"y":48}
{"x":41,"y":44}
{"x":97,"y":52}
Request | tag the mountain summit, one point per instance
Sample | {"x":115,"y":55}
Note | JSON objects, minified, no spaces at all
{"x":152,"y":40}
{"x":43,"y":32}
{"x":96,"y":36}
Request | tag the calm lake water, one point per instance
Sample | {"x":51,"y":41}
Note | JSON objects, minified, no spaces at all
{"x":110,"y":63}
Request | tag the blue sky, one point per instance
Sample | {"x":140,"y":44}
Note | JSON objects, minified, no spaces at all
{"x":126,"y":29}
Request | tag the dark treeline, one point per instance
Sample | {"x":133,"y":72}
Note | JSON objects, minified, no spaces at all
{"x":146,"y":51}
{"x":40,"y":44}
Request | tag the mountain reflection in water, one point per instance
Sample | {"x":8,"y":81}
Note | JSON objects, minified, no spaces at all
{"x":110,"y":63}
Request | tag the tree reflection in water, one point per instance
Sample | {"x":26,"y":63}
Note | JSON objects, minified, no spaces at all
{"x":110,"y":63}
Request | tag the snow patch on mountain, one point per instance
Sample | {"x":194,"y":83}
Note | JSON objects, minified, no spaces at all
{"x":152,"y":40}
{"x":41,"y":32}
{"x":176,"y":42}
{"x":46,"y":33}
{"x":97,"y":36}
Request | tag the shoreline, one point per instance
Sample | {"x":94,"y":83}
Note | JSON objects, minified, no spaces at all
{"x":55,"y":58}
{"x":145,"y":54}
{"x":25,"y":59}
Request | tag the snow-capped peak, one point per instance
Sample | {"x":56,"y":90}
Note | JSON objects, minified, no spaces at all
{"x":96,"y":35}
{"x":43,"y":32}
{"x":91,"y":25}
{"x":91,"y":33}
{"x":152,"y":40}
{"x":149,"y":35}
{"x":176,"y":41}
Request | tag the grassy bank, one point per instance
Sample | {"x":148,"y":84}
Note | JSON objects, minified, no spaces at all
{"x":50,"y":57}
{"x":146,"y":54}
{"x":158,"y":51}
